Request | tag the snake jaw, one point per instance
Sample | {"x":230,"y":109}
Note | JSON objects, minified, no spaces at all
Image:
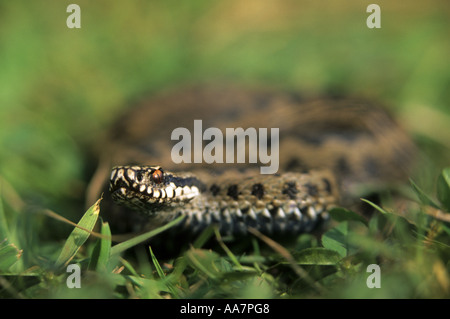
{"x":148,"y":187}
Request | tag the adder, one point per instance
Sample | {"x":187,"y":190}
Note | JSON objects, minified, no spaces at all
{"x":328,"y":149}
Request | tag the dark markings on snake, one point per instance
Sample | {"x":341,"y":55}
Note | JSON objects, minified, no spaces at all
{"x":304,"y":210}
{"x":317,"y":139}
{"x":327,"y":185}
{"x":290,"y":189}
{"x":233,"y":112}
{"x":342,"y":166}
{"x":214,"y":189}
{"x":311,"y":189}
{"x":233,"y":191}
{"x":262,"y":102}
{"x":296,"y":97}
{"x":371,"y":166}
{"x":258,"y":190}
{"x":295,"y":164}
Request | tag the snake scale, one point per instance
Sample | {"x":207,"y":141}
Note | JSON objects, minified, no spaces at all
{"x":328,"y":148}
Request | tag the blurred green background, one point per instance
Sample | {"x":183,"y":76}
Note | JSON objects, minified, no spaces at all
{"x":60,"y":88}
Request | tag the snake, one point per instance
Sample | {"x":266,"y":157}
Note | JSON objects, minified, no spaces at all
{"x":331,"y":149}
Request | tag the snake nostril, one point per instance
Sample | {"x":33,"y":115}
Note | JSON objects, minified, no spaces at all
{"x":139,"y":176}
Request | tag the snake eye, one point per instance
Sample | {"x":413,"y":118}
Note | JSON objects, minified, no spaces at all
{"x":157,"y":176}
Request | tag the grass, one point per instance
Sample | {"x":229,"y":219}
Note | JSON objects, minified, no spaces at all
{"x":59,"y":88}
{"x":412,"y":254}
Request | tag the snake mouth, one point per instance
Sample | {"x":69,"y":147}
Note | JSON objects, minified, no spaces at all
{"x":144,"y":186}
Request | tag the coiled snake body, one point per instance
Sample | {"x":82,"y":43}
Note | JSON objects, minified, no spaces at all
{"x":327,"y":149}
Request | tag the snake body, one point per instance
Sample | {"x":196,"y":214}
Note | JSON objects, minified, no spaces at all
{"x":328,"y":148}
{"x":286,"y":204}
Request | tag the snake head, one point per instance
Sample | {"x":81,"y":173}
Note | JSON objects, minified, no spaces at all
{"x":150,"y":187}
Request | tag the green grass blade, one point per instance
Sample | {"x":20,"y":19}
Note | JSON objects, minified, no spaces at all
{"x":204,"y":236}
{"x":337,"y":239}
{"x":79,"y":235}
{"x":227,"y":250}
{"x":129,"y":267}
{"x":162,"y":275}
{"x":318,"y":256}
{"x":204,"y":261}
{"x":381,"y":210}
{"x":156,"y":264}
{"x":117,"y":249}
{"x":4,"y":231}
{"x":423,"y":197}
{"x":443,"y":188}
{"x":9,"y":255}
{"x":341,"y":214}
{"x":102,"y":251}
